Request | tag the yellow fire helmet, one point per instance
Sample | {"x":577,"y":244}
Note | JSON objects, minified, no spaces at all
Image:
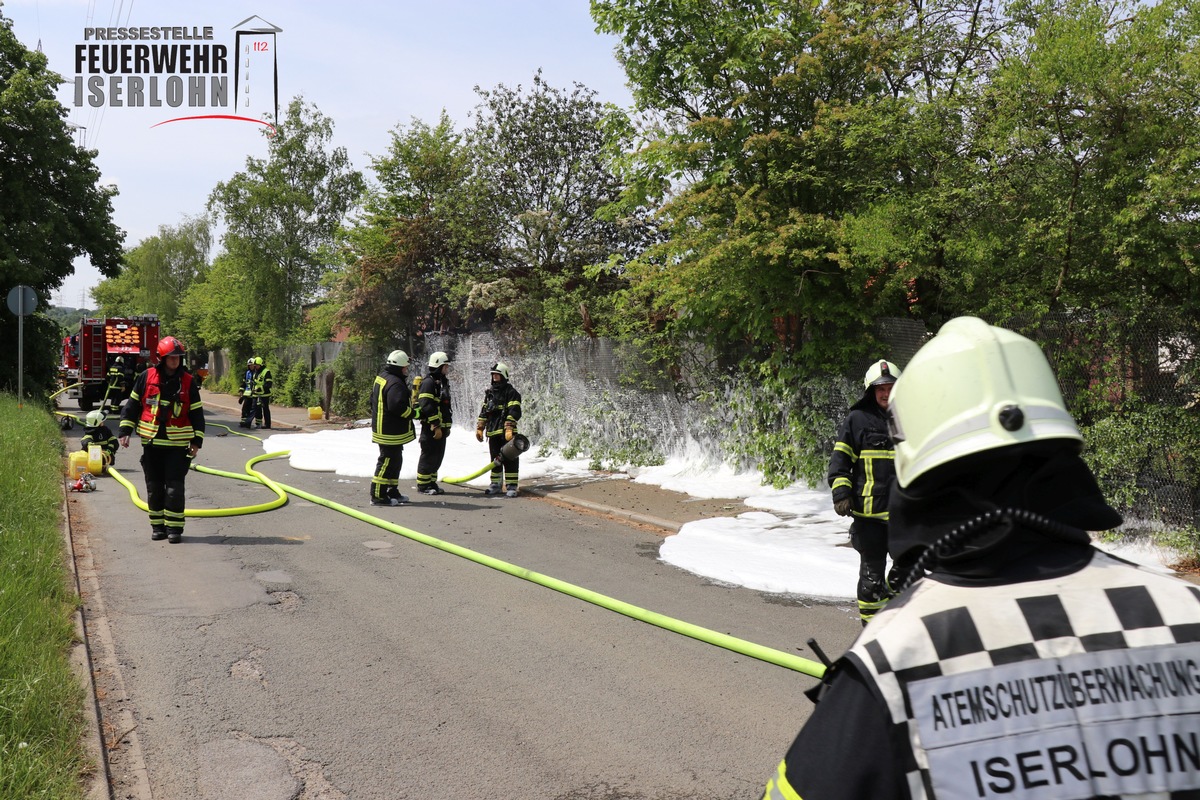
{"x":972,"y":388}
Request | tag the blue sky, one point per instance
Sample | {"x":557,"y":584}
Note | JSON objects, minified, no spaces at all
{"x":369,"y":66}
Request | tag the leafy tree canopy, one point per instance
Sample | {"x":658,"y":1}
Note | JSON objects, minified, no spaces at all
{"x":282,"y":215}
{"x":54,"y":209}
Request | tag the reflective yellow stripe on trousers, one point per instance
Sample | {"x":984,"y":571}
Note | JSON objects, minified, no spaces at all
{"x":778,"y":787}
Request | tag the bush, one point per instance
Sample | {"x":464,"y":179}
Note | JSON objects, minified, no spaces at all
{"x":351,"y":386}
{"x":783,"y":425}
{"x":298,"y":388}
{"x":1147,"y":463}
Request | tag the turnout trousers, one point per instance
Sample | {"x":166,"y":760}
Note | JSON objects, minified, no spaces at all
{"x":165,"y":467}
{"x":386,"y":481}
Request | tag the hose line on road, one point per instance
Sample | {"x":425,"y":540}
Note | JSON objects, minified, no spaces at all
{"x":472,"y":476}
{"x":761,"y":652}
{"x":723,"y":640}
{"x":236,"y":511}
{"x":63,"y":389}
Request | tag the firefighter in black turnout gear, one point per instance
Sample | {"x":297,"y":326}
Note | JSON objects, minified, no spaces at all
{"x":861,"y":473}
{"x":497,"y":421}
{"x":246,"y":397}
{"x":433,"y":406}
{"x":166,"y":411}
{"x":1026,"y":663}
{"x":264,"y":383}
{"x":391,"y":428}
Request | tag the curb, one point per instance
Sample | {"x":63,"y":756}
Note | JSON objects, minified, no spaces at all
{"x":645,"y":519}
{"x":100,"y":783}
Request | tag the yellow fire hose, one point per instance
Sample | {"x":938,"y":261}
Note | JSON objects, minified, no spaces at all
{"x":732,"y":643}
{"x":257,"y":477}
{"x":63,"y":389}
{"x":726,"y":641}
{"x":473,"y":475}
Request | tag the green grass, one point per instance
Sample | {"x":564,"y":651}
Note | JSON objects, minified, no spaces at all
{"x":42,"y":754}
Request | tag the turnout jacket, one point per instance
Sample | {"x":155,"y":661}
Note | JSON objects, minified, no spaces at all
{"x":1072,"y":687}
{"x":391,"y":408}
{"x":165,"y":409}
{"x":501,"y":404}
{"x":862,"y":466}
{"x":433,"y":401}
{"x":263,"y":383}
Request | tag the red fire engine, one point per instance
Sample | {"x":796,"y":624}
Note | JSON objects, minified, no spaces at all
{"x":105,"y":356}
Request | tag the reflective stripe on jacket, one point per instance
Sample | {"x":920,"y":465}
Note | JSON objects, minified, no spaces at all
{"x":156,"y":410}
{"x":501,"y":404}
{"x":862,"y":466}
{"x":263,"y":383}
{"x":391,"y":408}
{"x":433,"y":401}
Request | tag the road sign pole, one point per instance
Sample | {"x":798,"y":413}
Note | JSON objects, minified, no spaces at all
{"x":22,"y":300}
{"x":21,"y":360}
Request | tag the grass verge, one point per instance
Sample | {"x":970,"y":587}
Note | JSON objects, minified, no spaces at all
{"x":42,"y":754}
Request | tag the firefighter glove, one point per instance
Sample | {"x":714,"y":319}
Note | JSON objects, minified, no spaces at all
{"x":241,"y":399}
{"x":437,"y":432}
{"x":479,"y":432}
{"x":508,"y":431}
{"x":842,"y":507}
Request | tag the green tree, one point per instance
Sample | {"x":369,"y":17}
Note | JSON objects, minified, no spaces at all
{"x":422,"y":227}
{"x":281,"y":218}
{"x":1085,"y":190}
{"x":158,"y":272}
{"x":752,"y":179}
{"x":548,"y":158}
{"x":54,"y":208}
{"x":220,"y":310}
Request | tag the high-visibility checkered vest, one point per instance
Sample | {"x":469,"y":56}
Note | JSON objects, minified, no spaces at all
{"x":1080,"y":686}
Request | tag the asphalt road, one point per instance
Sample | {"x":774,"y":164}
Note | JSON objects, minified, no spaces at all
{"x":302,"y":653}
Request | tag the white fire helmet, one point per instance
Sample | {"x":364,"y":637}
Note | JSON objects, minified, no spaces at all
{"x":94,"y":419}
{"x":500,"y":369}
{"x":879,"y":373}
{"x":438,"y":359}
{"x":972,"y":388}
{"x":398,"y":358}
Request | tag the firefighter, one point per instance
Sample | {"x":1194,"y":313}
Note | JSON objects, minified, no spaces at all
{"x":433,"y":405}
{"x":391,"y":428}
{"x":497,"y":421}
{"x":246,"y":397}
{"x":263,"y":383}
{"x":861,"y":474}
{"x":166,"y":411}
{"x":1026,"y":663}
{"x":118,"y":384}
{"x":96,"y":431}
